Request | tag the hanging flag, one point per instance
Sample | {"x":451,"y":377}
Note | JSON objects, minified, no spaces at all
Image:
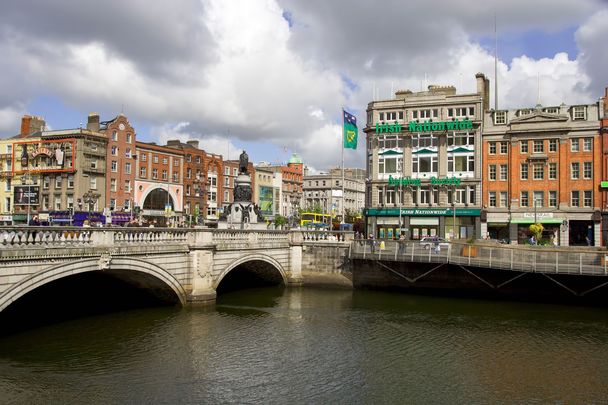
{"x":350,"y":131}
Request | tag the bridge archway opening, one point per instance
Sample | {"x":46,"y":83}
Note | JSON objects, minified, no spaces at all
{"x":83,"y":295}
{"x":251,"y":274}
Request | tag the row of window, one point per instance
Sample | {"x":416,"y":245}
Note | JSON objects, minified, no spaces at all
{"x":426,"y":140}
{"x":127,"y":188}
{"x":577,"y":113}
{"x":422,"y":164}
{"x":538,"y":146}
{"x":428,"y":113}
{"x":500,"y":199}
{"x":143,"y":173}
{"x":538,"y":171}
{"x":128,"y":139}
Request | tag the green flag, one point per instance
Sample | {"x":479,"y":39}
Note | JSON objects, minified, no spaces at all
{"x":350,"y":131}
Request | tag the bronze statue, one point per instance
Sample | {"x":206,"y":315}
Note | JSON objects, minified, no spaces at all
{"x":243,"y":163}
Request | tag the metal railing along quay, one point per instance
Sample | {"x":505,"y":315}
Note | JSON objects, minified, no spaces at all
{"x":487,"y":255}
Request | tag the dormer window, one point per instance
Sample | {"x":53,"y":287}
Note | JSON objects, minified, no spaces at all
{"x":579,"y":113}
{"x":500,"y":117}
{"x":551,"y":110}
{"x":523,"y":112}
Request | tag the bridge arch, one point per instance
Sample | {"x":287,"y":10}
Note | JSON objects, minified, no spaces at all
{"x":63,"y":270}
{"x":250,"y":259}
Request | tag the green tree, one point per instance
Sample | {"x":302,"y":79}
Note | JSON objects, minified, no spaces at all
{"x":279,"y":220}
{"x":537,"y":231}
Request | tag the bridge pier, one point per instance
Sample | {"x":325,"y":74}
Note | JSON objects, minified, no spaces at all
{"x":203,"y":291}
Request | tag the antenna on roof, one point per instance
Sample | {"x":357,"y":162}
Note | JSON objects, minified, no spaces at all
{"x":538,"y":104}
{"x":495,"y":65}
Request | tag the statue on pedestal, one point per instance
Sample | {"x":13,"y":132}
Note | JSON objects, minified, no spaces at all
{"x":243,"y":163}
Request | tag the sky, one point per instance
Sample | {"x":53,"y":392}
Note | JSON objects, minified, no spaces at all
{"x":272,"y":76}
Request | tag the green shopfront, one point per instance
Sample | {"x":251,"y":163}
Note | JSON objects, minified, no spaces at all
{"x":417,"y":223}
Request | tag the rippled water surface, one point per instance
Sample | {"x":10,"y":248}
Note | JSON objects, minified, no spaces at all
{"x":316,"y":346}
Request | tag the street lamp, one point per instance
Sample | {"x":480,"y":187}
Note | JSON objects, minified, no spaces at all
{"x":90,"y":198}
{"x":535,"y":214}
{"x":25,"y":182}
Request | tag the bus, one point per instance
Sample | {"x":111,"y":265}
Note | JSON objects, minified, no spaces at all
{"x":315,"y":220}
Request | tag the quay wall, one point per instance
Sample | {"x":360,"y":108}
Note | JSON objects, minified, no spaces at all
{"x":325,"y":264}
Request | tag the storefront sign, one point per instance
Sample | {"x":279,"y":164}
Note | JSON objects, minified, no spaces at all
{"x":387,"y":128}
{"x":42,"y":151}
{"x":435,"y":181}
{"x":6,"y":218}
{"x":446,"y":181}
{"x":442,"y":212}
{"x":604,"y":184}
{"x":403,"y":181}
{"x":538,"y":215}
{"x":429,"y":126}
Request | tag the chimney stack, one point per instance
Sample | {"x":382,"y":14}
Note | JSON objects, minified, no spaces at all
{"x":26,"y":120}
{"x":194,"y":144}
{"x":483,"y":89}
{"x":93,"y":122}
{"x":30,"y":124}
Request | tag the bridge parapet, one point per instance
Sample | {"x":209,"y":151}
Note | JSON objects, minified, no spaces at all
{"x":231,"y":239}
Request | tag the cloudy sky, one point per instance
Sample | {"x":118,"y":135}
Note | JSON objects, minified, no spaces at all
{"x":271,"y":76}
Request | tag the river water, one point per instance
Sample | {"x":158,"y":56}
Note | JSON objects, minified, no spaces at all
{"x":315,"y":346}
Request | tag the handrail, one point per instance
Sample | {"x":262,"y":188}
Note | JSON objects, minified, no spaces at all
{"x":494,"y":256}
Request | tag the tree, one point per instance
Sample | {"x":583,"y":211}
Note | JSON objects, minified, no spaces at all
{"x":537,"y":231}
{"x":279,"y":220}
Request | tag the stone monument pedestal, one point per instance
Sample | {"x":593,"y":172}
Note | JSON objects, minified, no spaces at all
{"x":242,"y":213}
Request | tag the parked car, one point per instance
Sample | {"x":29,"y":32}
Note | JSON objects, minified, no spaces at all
{"x":430,"y":241}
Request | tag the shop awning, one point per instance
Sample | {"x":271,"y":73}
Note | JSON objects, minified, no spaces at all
{"x":539,"y":220}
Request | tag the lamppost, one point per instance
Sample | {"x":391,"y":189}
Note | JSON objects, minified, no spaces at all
{"x":453,"y":213}
{"x":89,"y":198}
{"x":25,"y":179}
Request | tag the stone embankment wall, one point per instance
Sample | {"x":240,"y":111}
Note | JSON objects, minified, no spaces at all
{"x":325,"y":264}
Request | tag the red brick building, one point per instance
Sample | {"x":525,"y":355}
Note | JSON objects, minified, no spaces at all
{"x":121,"y":162}
{"x":542,"y":165}
{"x":159,"y":186}
{"x":603,"y":187}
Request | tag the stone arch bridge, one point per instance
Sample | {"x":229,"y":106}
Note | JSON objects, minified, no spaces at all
{"x":189,"y":264}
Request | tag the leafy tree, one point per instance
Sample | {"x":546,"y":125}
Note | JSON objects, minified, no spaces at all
{"x":537,"y":231}
{"x":279,"y":220}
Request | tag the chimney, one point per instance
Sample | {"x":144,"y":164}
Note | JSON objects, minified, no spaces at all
{"x":483,"y":89}
{"x":37,"y":124}
{"x":194,"y":144}
{"x":173,"y":142}
{"x":26,"y":120}
{"x":93,"y":122}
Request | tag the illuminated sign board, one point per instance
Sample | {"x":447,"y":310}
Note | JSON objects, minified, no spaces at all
{"x":604,"y":184}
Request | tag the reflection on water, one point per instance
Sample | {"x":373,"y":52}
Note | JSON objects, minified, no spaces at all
{"x":276,"y":345}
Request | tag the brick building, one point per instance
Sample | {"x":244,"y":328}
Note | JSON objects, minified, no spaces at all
{"x":121,"y":162}
{"x":542,"y":165}
{"x":159,"y":185}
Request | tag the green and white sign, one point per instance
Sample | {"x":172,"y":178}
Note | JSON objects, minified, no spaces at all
{"x":427,"y":126}
{"x":604,"y":184}
{"x":435,"y":181}
{"x":421,"y":212}
{"x":403,"y":181}
{"x":386,"y":128}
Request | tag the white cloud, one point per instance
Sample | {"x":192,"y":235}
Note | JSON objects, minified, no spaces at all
{"x":8,"y":117}
{"x":236,"y":66}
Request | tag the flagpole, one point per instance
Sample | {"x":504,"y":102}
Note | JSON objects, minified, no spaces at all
{"x":342,"y":221}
